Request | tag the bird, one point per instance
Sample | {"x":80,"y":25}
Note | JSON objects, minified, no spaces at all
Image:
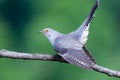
{"x":71,"y":46}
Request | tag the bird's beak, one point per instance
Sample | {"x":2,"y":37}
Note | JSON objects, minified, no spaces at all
{"x":40,"y":31}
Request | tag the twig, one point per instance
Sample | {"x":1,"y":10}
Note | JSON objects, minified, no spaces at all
{"x":27,"y":56}
{"x":107,"y":71}
{"x":47,"y":57}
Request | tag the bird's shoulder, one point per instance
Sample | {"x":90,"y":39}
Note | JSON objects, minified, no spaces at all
{"x":67,"y":41}
{"x":62,"y":43}
{"x":64,"y":40}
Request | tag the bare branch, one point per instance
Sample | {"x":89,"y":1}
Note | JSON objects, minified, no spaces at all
{"x":47,"y":57}
{"x":107,"y":71}
{"x":27,"y":56}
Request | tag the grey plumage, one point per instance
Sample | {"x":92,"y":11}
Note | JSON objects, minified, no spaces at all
{"x":79,"y":58}
{"x":71,"y":47}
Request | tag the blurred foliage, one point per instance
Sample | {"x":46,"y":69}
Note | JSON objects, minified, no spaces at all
{"x":20,"y":20}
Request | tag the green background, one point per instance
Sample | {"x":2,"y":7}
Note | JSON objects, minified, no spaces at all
{"x":20,"y":21}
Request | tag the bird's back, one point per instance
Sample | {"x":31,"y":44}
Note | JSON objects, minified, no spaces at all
{"x":66,"y":41}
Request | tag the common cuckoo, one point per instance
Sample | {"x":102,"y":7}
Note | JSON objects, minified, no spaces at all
{"x":71,"y":46}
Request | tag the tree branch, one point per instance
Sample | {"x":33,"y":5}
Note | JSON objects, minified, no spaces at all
{"x":47,"y":57}
{"x":107,"y":71}
{"x":27,"y":56}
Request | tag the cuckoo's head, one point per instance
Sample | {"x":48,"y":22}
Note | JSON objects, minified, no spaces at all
{"x":51,"y":34}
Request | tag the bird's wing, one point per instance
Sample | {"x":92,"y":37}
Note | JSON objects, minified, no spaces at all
{"x":80,"y":58}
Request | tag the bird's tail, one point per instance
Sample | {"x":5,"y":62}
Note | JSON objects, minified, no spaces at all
{"x":89,"y":17}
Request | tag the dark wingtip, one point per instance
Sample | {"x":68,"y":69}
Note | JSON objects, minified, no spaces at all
{"x":88,"y":53}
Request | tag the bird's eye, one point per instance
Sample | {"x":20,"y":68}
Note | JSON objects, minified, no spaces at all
{"x":46,"y":30}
